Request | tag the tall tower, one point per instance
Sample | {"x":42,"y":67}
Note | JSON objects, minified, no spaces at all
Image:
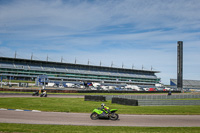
{"x":180,"y":65}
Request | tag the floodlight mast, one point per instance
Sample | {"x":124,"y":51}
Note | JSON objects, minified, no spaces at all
{"x":32,"y":56}
{"x":61,"y":59}
{"x":180,"y":65}
{"x":15,"y":54}
{"x":47,"y":57}
{"x":132,"y":66}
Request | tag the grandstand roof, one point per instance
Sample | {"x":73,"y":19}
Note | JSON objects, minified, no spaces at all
{"x":71,"y":64}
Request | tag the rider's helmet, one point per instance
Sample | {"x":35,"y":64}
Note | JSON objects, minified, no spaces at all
{"x":103,"y":105}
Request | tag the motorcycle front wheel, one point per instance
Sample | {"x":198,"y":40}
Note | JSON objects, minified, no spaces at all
{"x":94,"y":116}
{"x":114,"y":116}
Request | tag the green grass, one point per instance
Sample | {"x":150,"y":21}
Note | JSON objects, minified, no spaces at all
{"x":18,"y":81}
{"x":16,"y":92}
{"x":81,"y":106}
{"x":92,"y":129}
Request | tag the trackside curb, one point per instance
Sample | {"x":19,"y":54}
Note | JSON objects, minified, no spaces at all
{"x":20,"y":110}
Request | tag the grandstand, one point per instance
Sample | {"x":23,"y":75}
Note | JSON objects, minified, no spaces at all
{"x":187,"y":84}
{"x":26,"y":69}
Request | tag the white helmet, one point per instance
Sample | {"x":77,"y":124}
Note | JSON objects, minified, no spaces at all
{"x":103,"y":104}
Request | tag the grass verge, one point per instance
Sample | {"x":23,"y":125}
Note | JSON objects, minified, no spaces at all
{"x":5,"y":127}
{"x":80,"y":106}
{"x":18,"y":81}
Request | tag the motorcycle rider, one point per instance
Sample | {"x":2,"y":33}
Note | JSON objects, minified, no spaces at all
{"x":43,"y":92}
{"x":105,"y":109}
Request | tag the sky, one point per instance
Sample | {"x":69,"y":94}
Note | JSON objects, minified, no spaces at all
{"x":138,"y":34}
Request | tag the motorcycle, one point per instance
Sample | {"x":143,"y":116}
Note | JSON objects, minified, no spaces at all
{"x":98,"y":114}
{"x":43,"y":95}
{"x":35,"y":93}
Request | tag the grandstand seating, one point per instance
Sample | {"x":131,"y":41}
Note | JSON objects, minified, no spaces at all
{"x":187,"y":83}
{"x":6,"y":65}
{"x":78,"y":72}
{"x":71,"y":70}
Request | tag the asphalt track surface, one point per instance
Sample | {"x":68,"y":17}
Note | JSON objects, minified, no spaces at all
{"x":62,"y":118}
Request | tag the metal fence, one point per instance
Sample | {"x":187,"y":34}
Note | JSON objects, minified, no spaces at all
{"x":153,"y":97}
{"x":167,"y":102}
{"x":150,"y":100}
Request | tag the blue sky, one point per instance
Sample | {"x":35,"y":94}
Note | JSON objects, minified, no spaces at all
{"x":129,"y":32}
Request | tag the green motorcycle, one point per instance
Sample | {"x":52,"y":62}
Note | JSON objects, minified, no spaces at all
{"x":98,"y":114}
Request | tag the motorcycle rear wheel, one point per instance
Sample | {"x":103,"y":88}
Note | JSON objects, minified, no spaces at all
{"x":94,"y":116}
{"x":114,"y":116}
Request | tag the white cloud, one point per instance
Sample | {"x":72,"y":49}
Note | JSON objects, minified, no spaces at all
{"x":131,"y":32}
{"x":87,"y":16}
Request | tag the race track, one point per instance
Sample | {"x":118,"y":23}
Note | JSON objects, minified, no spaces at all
{"x":30,"y":95}
{"x":61,"y":118}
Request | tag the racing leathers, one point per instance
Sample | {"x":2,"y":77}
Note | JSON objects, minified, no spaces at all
{"x":105,"y":109}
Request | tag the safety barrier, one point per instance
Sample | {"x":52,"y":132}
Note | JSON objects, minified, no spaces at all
{"x":94,"y":98}
{"x":123,"y":91}
{"x":73,"y":90}
{"x":124,"y":101}
{"x":154,"y":100}
{"x":154,"y":97}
